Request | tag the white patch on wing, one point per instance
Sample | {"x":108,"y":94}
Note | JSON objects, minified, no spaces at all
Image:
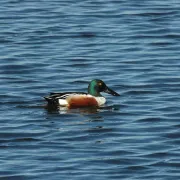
{"x":63,"y":102}
{"x":79,"y":96}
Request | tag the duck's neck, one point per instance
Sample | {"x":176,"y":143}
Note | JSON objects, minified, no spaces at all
{"x":93,"y":91}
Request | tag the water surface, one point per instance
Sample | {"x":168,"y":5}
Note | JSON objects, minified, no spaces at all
{"x":54,"y":45}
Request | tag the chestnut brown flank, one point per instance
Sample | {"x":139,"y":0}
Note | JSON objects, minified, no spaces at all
{"x":82,"y":101}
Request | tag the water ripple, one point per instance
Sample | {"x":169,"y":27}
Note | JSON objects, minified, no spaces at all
{"x":52,"y":46}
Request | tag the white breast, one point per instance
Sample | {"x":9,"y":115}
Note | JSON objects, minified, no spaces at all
{"x":101,"y":100}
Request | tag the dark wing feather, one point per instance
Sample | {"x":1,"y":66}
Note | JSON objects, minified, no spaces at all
{"x":59,"y":93}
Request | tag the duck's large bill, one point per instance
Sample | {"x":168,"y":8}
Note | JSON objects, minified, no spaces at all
{"x":110,"y":91}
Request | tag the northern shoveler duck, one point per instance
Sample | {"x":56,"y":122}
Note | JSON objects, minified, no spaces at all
{"x":81,"y":99}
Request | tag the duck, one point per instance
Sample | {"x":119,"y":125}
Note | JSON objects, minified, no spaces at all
{"x":82,"y":99}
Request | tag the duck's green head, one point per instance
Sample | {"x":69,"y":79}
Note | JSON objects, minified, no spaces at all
{"x":96,"y":86}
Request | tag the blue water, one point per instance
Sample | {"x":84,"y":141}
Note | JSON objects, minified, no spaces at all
{"x":46,"y":46}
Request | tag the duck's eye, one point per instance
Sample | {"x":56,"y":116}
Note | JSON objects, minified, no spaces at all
{"x":100,"y":84}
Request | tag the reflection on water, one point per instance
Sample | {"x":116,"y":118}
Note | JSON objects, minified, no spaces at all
{"x":84,"y":110}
